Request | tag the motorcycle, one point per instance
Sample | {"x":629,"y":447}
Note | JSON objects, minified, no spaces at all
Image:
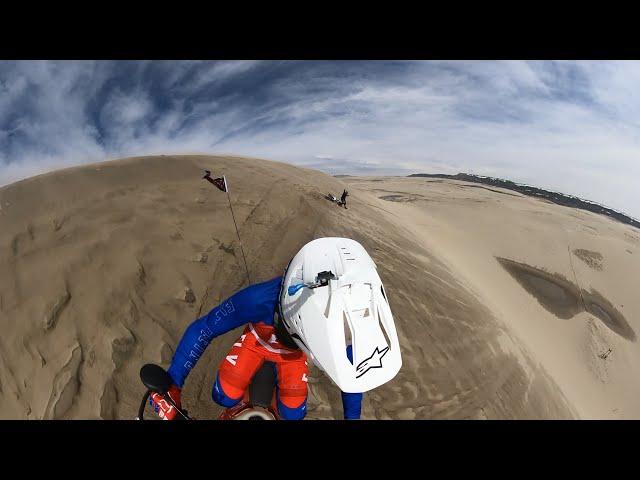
{"x":334,"y":199}
{"x":256,"y":405}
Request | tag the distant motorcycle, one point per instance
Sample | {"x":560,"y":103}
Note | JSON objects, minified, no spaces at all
{"x":334,"y":199}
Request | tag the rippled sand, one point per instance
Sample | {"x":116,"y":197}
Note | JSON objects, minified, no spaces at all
{"x":104,"y":266}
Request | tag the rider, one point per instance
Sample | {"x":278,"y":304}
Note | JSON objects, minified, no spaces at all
{"x":343,"y":198}
{"x":330,"y":306}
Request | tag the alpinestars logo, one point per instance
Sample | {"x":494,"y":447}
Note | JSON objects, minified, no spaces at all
{"x":374,"y":361}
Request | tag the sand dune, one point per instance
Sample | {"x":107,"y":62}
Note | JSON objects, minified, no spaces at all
{"x":562,"y":281}
{"x":103,"y":266}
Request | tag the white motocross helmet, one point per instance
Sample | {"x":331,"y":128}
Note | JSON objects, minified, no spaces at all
{"x":332,"y":297}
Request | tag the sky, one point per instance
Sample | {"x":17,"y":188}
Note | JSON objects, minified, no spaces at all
{"x":568,"y":126}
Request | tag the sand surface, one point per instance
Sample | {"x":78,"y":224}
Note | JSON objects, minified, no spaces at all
{"x":503,"y":303}
{"x":563,"y":282}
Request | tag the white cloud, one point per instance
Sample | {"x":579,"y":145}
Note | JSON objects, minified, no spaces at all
{"x":125,"y":108}
{"x":569,"y":126}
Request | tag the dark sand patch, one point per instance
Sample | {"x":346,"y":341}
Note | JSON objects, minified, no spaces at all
{"x":492,"y":190}
{"x":405,"y":194}
{"x":398,"y":198}
{"x":591,"y":258}
{"x":553,"y":291}
{"x":600,"y":307}
{"x":564,"y":299}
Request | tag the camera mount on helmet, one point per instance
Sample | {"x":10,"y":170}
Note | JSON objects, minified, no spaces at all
{"x":322,"y":279}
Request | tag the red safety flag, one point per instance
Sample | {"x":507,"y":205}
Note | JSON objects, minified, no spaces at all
{"x":220,"y":182}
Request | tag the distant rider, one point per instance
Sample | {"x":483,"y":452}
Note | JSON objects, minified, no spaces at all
{"x":343,"y":198}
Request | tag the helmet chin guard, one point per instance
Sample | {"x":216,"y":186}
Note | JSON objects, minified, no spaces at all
{"x":333,"y":297}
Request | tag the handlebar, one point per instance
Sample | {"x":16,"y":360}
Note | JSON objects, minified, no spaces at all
{"x":157,"y":380}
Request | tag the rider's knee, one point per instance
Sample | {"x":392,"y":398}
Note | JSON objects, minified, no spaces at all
{"x":226,"y":396}
{"x":292,"y":408}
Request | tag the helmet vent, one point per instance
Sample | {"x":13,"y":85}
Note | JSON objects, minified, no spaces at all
{"x":384,"y":331}
{"x":348,"y":338}
{"x":327,"y":308}
{"x":364,"y":311}
{"x":345,"y":253}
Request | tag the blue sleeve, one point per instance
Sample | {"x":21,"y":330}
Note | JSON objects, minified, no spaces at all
{"x":255,"y":303}
{"x":351,"y":402}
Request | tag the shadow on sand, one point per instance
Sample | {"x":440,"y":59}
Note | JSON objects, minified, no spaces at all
{"x":564,"y":299}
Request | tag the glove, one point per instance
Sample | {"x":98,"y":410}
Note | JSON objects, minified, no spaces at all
{"x":164,"y":409}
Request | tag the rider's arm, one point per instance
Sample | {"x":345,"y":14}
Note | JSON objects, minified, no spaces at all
{"x":351,"y":402}
{"x":250,"y":304}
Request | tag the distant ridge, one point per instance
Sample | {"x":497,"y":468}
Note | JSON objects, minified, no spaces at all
{"x":555,"y":197}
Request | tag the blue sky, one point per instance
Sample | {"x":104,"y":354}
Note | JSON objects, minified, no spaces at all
{"x":568,"y":126}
